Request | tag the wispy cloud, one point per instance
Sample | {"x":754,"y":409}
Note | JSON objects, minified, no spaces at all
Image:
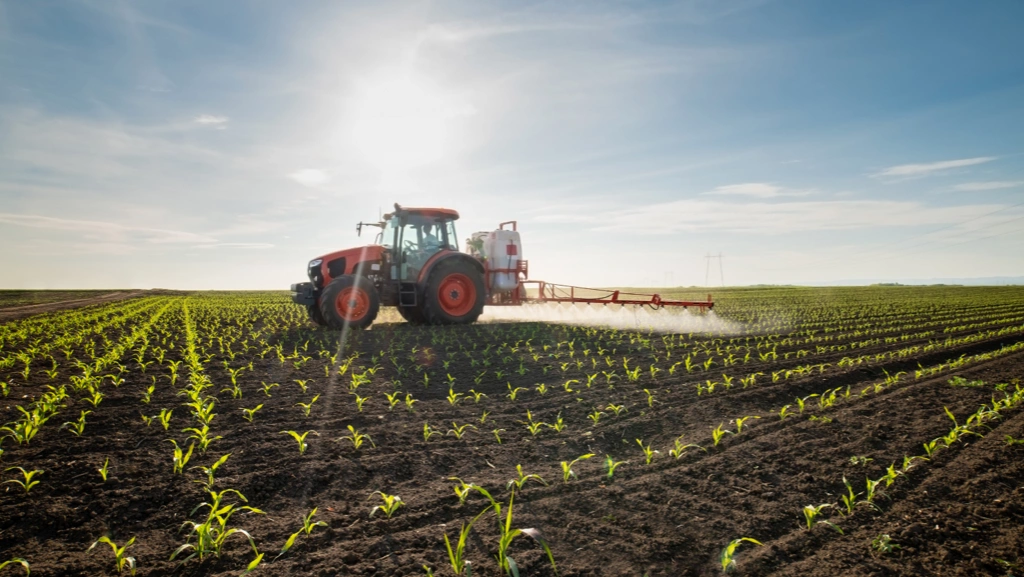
{"x":757,"y":189}
{"x":932,"y":167}
{"x":236,"y":245}
{"x":769,"y":218}
{"x":310,"y":177}
{"x":991,"y":185}
{"x":218,"y":122}
{"x":105,"y":231}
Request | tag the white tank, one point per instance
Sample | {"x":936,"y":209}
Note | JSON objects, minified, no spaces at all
{"x":502,"y":250}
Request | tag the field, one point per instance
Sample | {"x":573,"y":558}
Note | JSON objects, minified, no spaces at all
{"x":848,"y":431}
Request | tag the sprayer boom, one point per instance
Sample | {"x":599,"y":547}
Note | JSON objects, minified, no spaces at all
{"x":556,"y":293}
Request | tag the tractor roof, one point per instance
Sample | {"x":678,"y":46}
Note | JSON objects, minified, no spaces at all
{"x":445,"y":213}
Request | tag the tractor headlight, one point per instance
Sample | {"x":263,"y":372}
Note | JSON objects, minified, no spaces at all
{"x":315,"y":262}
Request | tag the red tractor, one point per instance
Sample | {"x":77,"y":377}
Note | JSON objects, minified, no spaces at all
{"x":415,"y":265}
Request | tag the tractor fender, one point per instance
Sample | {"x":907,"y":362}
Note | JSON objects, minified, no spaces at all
{"x":447,"y":256}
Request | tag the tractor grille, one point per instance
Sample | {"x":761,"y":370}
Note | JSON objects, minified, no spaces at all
{"x":315,"y":276}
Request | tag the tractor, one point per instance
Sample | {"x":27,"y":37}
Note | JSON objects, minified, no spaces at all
{"x":414,"y":265}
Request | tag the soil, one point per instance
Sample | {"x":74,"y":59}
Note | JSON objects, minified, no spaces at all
{"x":9,"y":313}
{"x":958,"y":513}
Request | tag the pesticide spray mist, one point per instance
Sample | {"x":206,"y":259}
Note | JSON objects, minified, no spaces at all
{"x":667,"y":320}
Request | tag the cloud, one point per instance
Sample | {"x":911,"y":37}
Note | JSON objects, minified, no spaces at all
{"x":769,"y":218}
{"x":991,"y":185}
{"x":932,"y":167}
{"x":756,"y":189}
{"x":108,"y":232}
{"x":218,"y":122}
{"x":237,"y":245}
{"x":310,"y":177}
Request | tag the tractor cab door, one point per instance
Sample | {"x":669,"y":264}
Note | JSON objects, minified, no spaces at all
{"x":415,"y":239}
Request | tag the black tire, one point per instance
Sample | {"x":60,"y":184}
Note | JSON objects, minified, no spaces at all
{"x":315,"y":315}
{"x":412,"y":315}
{"x":434,"y":311}
{"x":331,"y":308}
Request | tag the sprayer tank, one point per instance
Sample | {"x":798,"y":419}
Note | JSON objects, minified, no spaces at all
{"x":502,"y":250}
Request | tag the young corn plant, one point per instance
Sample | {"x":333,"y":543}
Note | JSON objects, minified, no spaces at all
{"x":307,"y":406}
{"x":121,"y":560}
{"x":610,"y":465}
{"x":497,"y":434}
{"x":741,"y":420}
{"x":105,"y":469}
{"x":28,"y":481}
{"x":512,"y":392}
{"x":728,"y":555}
{"x":457,"y":554}
{"x":181,"y":457}
{"x":508,"y":534}
{"x":77,"y":427}
{"x":459,"y":430}
{"x":165,"y":418}
{"x":210,"y":471}
{"x":266,"y":388}
{"x":409,"y":402}
{"x":19,"y":561}
{"x":390,"y":504}
{"x":616,"y":408}
{"x":300,"y":439}
{"x":356,"y":438}
{"x":595,"y":416}
{"x":453,"y":397}
{"x":811,"y":514}
{"x":248,"y":414}
{"x":649,"y":453}
{"x":393,"y":399}
{"x":717,"y":433}
{"x":567,"y":466}
{"x":523,"y":478}
{"x":212,"y":533}
{"x":679,"y":448}
{"x":307,"y":527}
{"x":202,"y":437}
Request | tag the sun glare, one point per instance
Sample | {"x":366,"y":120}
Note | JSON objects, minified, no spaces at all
{"x":399,"y":123}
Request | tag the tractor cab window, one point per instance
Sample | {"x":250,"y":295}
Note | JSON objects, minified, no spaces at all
{"x":419,"y":238}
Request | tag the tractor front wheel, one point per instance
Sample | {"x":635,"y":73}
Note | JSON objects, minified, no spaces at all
{"x":349,"y":301}
{"x":315,"y":315}
{"x":454,"y":294}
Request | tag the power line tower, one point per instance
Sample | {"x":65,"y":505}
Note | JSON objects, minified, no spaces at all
{"x":707,"y":269}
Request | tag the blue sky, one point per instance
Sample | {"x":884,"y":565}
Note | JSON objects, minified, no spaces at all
{"x":224,"y":144}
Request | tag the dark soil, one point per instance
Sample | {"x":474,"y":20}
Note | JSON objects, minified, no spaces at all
{"x":959,"y":513}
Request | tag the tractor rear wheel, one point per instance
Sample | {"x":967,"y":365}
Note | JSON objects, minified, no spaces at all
{"x":349,"y":301}
{"x":315,"y":315}
{"x":454,"y":294}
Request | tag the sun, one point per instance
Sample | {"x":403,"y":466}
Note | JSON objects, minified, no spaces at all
{"x":399,"y":122}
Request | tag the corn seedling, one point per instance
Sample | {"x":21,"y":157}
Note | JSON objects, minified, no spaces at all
{"x":728,"y":555}
{"x":679,"y":448}
{"x":458,"y":430}
{"x":121,"y":560}
{"x":884,"y":544}
{"x":811,"y":514}
{"x":307,"y":406}
{"x":567,"y":466}
{"x":508,"y":534}
{"x":648,"y":452}
{"x":181,"y":458}
{"x":148,"y":395}
{"x":165,"y":417}
{"x":409,"y":402}
{"x":147,"y":420}
{"x":860,"y":460}
{"x":429,"y":432}
{"x":513,"y":392}
{"x":202,"y":437}
{"x":476,"y":396}
{"x":457,"y":555}
{"x":559,"y":425}
{"x":78,"y":427}
{"x":930,"y":447}
{"x":28,"y":481}
{"x":19,"y":561}
{"x":302,"y":384}
{"x":523,"y":478}
{"x":359,"y":401}
{"x":212,"y":533}
{"x":616,"y":408}
{"x":784,"y":412}
{"x":104,"y":470}
{"x":497,"y":434}
{"x":300,"y":439}
{"x":1010,"y":441}
{"x":850,"y":498}
{"x":610,"y":465}
{"x":453,"y":397}
{"x":390,"y":505}
{"x":717,"y":433}
{"x":483,"y":417}
{"x":307,"y":527}
{"x":209,"y":471}
{"x":741,"y":420}
{"x":266,"y":388}
{"x":248,"y":414}
{"x":595,"y":416}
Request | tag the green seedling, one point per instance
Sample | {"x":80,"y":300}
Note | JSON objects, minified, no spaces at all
{"x":727,"y":557}
{"x":121,"y":560}
{"x":884,"y":544}
{"x":497,"y":434}
{"x":307,"y":406}
{"x":266,"y":388}
{"x":209,"y":471}
{"x":429,"y":432}
{"x":717,"y":433}
{"x":610,"y":465}
{"x":523,"y":478}
{"x":741,"y":420}
{"x":811,"y":514}
{"x":616,"y":408}
{"x":409,"y":402}
{"x":248,"y":414}
{"x":567,"y":466}
{"x":648,"y":452}
{"x":19,"y":561}
{"x":78,"y":427}
{"x":458,"y":430}
{"x":28,"y":481}
{"x":390,"y":505}
{"x":300,"y":439}
{"x":679,"y":448}
{"x":595,"y":416}
{"x":181,"y":458}
{"x":356,"y":438}
{"x":307,"y":527}
{"x":165,"y":418}
{"x":104,"y":470}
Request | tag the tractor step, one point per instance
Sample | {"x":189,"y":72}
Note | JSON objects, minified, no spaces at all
{"x":407,"y":294}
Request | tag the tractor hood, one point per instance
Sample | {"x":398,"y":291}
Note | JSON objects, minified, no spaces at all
{"x":324,"y":268}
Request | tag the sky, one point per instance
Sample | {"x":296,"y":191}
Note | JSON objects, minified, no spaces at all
{"x":223,"y":144}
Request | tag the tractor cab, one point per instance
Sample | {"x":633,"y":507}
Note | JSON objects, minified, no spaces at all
{"x":412,"y":236}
